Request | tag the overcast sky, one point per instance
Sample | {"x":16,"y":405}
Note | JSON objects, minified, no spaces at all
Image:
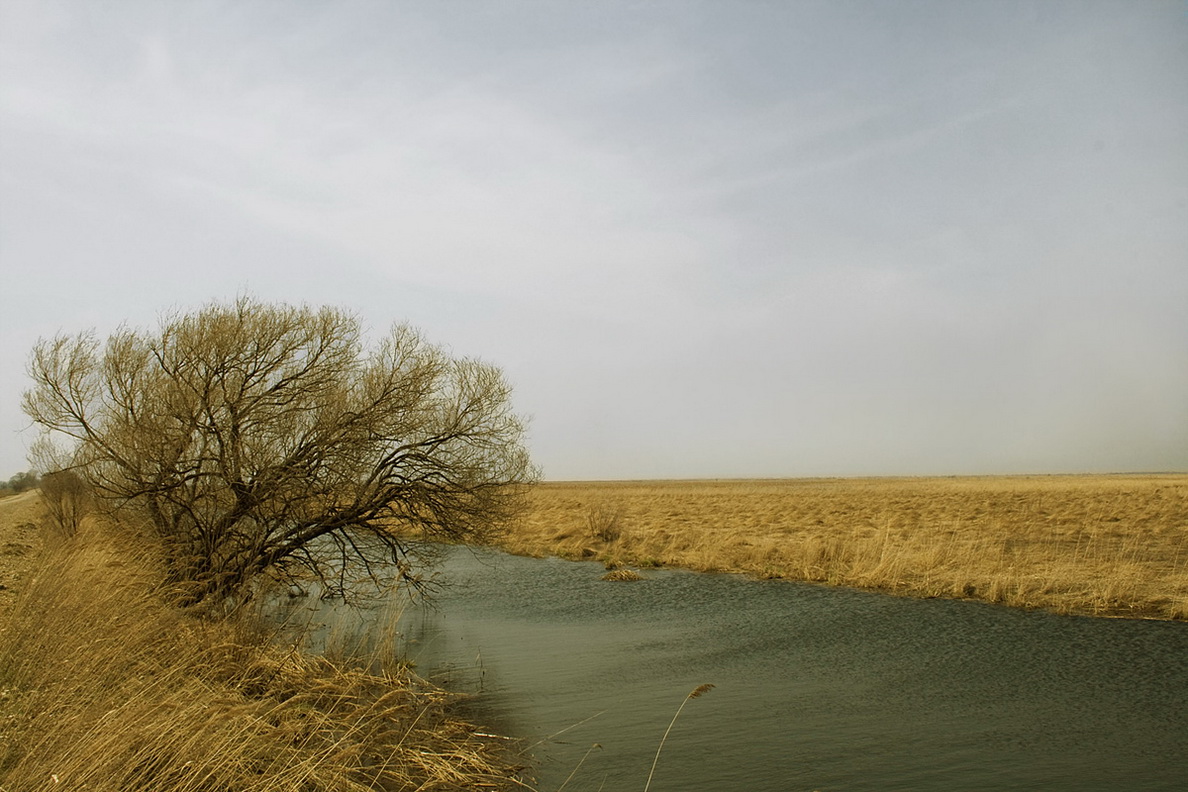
{"x":703,"y":239}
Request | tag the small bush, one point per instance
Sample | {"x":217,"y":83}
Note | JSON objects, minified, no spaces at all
{"x":604,"y":522}
{"x":68,"y":499}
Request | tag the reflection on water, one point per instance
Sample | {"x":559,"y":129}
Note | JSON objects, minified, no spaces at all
{"x":816,"y":688}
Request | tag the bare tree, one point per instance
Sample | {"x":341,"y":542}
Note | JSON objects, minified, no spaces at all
{"x":262,"y":438}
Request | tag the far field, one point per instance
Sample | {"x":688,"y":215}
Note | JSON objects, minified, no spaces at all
{"x":1106,"y":545}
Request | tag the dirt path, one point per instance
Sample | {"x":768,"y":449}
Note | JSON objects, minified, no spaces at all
{"x":21,"y":517}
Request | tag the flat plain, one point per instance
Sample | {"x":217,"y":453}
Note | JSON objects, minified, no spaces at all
{"x":1107,"y":545}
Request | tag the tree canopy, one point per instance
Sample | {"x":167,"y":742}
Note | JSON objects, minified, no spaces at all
{"x":257,"y":438}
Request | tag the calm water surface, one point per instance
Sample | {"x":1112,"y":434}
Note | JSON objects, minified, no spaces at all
{"x":816,"y":688}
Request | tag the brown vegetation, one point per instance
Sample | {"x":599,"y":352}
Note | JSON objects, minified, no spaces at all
{"x":267,"y":440}
{"x":622,"y":575}
{"x":1105,"y":545}
{"x":103,"y":687}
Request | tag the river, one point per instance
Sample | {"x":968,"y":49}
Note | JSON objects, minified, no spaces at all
{"x":816,"y":688}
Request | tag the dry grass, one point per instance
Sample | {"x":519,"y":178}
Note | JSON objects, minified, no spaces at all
{"x":622,"y":575}
{"x":1105,"y":545}
{"x":102,"y":687}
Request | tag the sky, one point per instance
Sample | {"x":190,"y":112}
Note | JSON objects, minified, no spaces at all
{"x":701,"y":239}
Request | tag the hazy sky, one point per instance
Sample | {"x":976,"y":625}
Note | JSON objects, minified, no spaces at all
{"x":703,"y":239}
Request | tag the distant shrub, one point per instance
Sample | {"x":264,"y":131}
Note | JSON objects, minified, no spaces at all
{"x":21,"y":482}
{"x":604,"y":522}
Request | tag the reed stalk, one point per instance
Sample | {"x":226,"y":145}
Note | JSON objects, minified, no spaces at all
{"x":697,"y":692}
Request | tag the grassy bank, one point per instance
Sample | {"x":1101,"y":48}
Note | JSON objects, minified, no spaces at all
{"x":1105,"y":545}
{"x":103,"y":687}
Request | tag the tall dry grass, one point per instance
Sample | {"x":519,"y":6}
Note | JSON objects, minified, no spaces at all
{"x":103,"y":687}
{"x":1105,"y":545}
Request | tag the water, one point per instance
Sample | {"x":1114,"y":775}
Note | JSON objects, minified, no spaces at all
{"x":816,"y":688}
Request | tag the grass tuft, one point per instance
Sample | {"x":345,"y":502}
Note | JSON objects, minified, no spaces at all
{"x":622,"y":575}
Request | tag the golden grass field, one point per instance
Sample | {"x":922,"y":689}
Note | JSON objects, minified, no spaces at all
{"x":1113,"y":545}
{"x":104,"y":687}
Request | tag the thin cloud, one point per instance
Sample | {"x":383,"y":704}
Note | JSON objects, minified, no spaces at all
{"x":704,"y":240}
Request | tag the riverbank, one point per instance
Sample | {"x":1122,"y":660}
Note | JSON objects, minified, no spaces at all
{"x":1113,"y":545}
{"x":104,"y":687}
